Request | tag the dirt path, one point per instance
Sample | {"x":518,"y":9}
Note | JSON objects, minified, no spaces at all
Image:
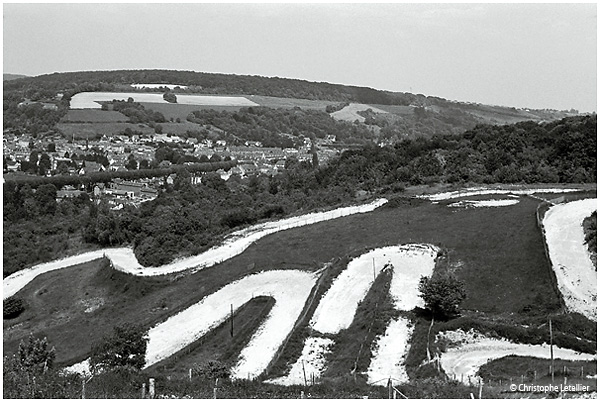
{"x":575,"y":272}
{"x":337,"y":308}
{"x":124,"y":259}
{"x":289,"y":288}
{"x":463,"y":362}
{"x":469,"y":192}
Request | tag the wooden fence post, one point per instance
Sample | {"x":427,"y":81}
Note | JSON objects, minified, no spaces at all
{"x":304,"y":372}
{"x":151,"y":389}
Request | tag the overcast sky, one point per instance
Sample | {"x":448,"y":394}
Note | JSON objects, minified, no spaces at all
{"x":522,"y":55}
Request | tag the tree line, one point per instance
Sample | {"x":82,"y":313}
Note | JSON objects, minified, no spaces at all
{"x":209,"y":83}
{"x":187,"y":219}
{"x":282,"y":128}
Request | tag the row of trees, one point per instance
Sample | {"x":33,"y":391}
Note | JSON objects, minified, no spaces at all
{"x":187,"y":219}
{"x":136,"y":112}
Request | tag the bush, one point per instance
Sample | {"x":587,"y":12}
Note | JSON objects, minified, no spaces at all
{"x":170,"y":97}
{"x":211,"y":369}
{"x":13,"y":307}
{"x":126,"y":347}
{"x":442,"y":295}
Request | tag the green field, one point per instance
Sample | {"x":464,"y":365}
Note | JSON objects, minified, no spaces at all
{"x":289,"y":103}
{"x":93,"y":130}
{"x":177,"y":111}
{"x":497,"y":252}
{"x":94,"y":116}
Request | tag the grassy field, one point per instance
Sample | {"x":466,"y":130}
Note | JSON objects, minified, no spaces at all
{"x":289,"y":103}
{"x":498,"y":252}
{"x":175,"y":110}
{"x":92,"y":130}
{"x":533,"y":369}
{"x":94,"y":116}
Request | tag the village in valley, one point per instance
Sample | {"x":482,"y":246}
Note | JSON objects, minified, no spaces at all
{"x":124,"y":151}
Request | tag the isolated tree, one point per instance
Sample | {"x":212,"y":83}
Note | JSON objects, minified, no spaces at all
{"x":442,"y":295}
{"x":35,"y":355}
{"x":170,"y":97}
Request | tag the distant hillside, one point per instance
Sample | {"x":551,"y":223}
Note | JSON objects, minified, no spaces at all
{"x":10,"y":77}
{"x":408,"y":115}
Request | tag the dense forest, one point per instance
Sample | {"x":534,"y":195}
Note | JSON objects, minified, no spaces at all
{"x":187,"y":219}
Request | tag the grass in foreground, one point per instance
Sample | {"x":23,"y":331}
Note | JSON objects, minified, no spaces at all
{"x":498,"y":252}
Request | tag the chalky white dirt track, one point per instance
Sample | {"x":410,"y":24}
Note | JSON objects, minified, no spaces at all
{"x":337,"y":308}
{"x":575,"y":272}
{"x":124,"y":260}
{"x":464,"y":361}
{"x":469,"y":192}
{"x":289,"y":288}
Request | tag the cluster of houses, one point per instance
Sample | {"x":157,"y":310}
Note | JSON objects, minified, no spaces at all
{"x":252,"y":158}
{"x":117,"y":193}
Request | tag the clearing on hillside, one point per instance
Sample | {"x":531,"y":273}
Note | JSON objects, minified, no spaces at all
{"x":349,"y":113}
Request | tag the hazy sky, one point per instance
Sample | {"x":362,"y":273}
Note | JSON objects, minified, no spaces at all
{"x":523,"y":55}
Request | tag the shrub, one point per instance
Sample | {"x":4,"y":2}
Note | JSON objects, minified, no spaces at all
{"x":442,"y":294}
{"x":211,"y":369}
{"x":126,"y":347}
{"x":13,"y":307}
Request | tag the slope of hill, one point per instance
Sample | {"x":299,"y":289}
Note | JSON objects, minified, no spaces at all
{"x":438,"y":115}
{"x":10,"y":77}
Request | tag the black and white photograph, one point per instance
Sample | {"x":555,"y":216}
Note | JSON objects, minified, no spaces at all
{"x":300,"y":200}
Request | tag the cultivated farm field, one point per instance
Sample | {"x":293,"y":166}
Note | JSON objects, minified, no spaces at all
{"x":89,"y":100}
{"x":497,"y":250}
